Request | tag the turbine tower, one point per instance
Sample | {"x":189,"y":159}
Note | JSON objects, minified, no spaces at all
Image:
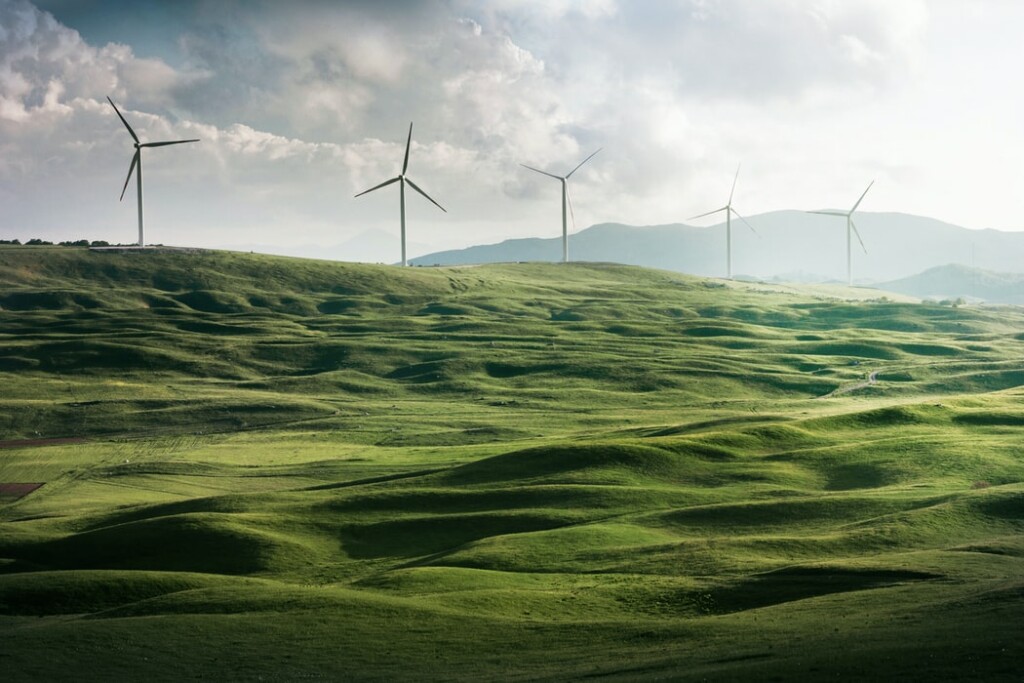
{"x":137,"y":161}
{"x":565,"y":201}
{"x":402,"y":180}
{"x":729,"y":211}
{"x":851,"y":227}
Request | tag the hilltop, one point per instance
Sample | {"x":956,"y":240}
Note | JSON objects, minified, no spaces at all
{"x":236,"y":466}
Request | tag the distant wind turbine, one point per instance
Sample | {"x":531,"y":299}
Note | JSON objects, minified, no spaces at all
{"x":137,"y":161}
{"x":402,"y":180}
{"x":729,"y":211}
{"x":851,"y":227}
{"x":565,"y":201}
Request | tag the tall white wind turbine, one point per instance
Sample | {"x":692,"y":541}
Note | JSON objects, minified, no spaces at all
{"x":566,"y":202}
{"x":137,"y":162}
{"x":851,"y":227}
{"x":402,"y":180}
{"x":729,"y":211}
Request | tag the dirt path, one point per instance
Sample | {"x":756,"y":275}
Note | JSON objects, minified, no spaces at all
{"x":872,"y":379}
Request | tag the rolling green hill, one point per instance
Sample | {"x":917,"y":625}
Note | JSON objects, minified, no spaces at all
{"x":257,"y":467}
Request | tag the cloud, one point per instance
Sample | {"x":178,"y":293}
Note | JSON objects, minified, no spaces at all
{"x":43,"y":63}
{"x":300,"y":106}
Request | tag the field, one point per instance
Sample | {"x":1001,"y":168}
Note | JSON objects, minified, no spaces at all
{"x":233,"y":466}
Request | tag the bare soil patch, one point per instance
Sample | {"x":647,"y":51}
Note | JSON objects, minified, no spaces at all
{"x":17,"y":490}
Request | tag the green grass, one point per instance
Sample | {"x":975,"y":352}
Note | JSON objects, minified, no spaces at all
{"x":286,"y":469}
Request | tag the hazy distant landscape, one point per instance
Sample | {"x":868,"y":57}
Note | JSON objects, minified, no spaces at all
{"x":527,"y":471}
{"x":795,"y":246}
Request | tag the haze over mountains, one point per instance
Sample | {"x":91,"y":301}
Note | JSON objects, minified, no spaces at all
{"x":955,"y":281}
{"x":790,"y":245}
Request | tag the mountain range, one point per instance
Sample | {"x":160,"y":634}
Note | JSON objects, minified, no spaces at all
{"x":789,"y":245}
{"x":955,"y":281}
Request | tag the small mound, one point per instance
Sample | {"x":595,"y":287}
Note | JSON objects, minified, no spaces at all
{"x":717,"y":331}
{"x":1001,"y":505}
{"x":504,"y":370}
{"x":336,"y":306}
{"x":598,"y":546}
{"x":930,"y":349}
{"x":895,"y":376}
{"x":854,"y":476}
{"x":209,"y":301}
{"x":95,"y":355}
{"x":787,"y":513}
{"x":206,"y":543}
{"x":879,"y":417}
{"x":16,"y":363}
{"x":555,"y":461}
{"x":207,"y":327}
{"x":433,"y":371}
{"x":54,"y":300}
{"x":434,"y":534}
{"x":848,"y":349}
{"x":220,"y":504}
{"x":779,"y":587}
{"x":990,"y":419}
{"x":438,"y":308}
{"x":80,"y":592}
{"x":568,"y":315}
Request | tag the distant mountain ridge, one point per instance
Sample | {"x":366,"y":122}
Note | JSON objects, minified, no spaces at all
{"x":955,"y":281}
{"x":899,"y":246}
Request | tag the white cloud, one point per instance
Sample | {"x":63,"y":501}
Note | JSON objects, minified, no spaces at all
{"x":301,"y":106}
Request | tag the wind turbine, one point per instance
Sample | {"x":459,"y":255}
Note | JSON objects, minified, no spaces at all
{"x":565,"y":201}
{"x":137,"y":161}
{"x":400,"y":178}
{"x":851,"y":227}
{"x":729,"y":211}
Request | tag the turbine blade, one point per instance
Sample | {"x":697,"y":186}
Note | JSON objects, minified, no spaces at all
{"x":550,"y":175}
{"x":408,"y":143}
{"x":829,"y":213}
{"x":582,"y":162}
{"x":572,"y":214}
{"x":862,"y":197}
{"x":130,"y":131}
{"x":734,"y":179}
{"x":417,"y":188}
{"x":131,"y":169}
{"x":377,"y":187}
{"x":857,"y":233}
{"x":724,"y":208}
{"x":745,"y":221}
{"x":164,"y":144}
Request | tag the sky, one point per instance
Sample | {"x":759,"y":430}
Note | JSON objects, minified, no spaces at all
{"x":301,"y":105}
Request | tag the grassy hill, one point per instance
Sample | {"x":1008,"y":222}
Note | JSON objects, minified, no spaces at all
{"x":254,"y":466}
